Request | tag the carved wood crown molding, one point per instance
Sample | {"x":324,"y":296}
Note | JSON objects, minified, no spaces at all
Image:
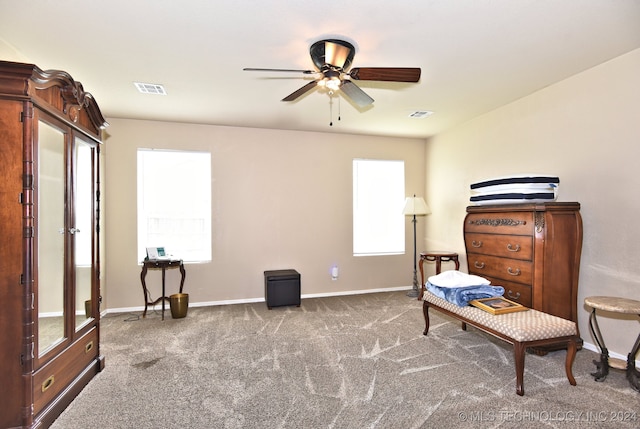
{"x":57,"y":89}
{"x":498,"y":222}
{"x":73,"y":94}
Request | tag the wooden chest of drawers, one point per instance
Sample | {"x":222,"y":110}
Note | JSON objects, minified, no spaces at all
{"x":532,"y":250}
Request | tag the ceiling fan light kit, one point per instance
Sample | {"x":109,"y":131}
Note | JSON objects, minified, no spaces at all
{"x":332,"y":53}
{"x":332,"y":59}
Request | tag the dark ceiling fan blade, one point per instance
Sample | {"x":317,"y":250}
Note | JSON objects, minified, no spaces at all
{"x":358,"y":96}
{"x":308,"y":87}
{"x":389,"y":74}
{"x":281,"y":70}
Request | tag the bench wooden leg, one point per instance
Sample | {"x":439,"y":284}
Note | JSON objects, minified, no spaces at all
{"x":425,"y":311}
{"x":572,"y":348}
{"x":519,"y":354}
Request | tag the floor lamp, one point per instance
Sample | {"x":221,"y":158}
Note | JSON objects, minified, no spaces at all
{"x":415,"y":206}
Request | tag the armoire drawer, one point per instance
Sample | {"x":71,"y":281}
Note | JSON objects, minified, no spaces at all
{"x":518,"y":223}
{"x":56,"y":375}
{"x":502,"y":268}
{"x":507,"y":246}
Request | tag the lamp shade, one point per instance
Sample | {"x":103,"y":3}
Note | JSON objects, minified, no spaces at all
{"x":415,"y":206}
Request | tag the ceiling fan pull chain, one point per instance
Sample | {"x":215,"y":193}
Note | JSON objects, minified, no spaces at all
{"x":338,"y":108}
{"x":330,"y":110}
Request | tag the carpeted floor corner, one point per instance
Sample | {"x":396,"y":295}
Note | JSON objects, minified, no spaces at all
{"x":356,"y":361}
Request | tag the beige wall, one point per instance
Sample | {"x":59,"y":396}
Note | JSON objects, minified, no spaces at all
{"x":586,"y":130}
{"x":280,"y":200}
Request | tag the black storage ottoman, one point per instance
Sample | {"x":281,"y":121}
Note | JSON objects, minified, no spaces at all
{"x":281,"y":287}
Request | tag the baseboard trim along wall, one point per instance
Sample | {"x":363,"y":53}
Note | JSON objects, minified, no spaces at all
{"x":261,"y":299}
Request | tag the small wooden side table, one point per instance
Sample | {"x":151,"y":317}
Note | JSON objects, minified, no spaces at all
{"x":159,"y":264}
{"x":438,"y":257}
{"x":613,"y":305}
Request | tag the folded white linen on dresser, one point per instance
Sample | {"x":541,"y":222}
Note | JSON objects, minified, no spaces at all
{"x":460,"y":288}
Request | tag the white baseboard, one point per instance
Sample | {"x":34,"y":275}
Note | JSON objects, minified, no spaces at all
{"x":261,"y":299}
{"x":613,"y":355}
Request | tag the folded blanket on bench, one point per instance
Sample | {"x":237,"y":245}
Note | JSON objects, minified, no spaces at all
{"x":461,"y":296}
{"x":455,"y":278}
{"x":459,"y":288}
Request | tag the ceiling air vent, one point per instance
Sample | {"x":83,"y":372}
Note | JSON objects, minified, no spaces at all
{"x":150,"y":88}
{"x":419,"y":114}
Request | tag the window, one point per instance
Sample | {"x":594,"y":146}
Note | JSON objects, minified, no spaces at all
{"x":378,"y":199}
{"x":174,"y":203}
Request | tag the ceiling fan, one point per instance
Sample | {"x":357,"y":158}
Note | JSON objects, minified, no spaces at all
{"x":332,"y":59}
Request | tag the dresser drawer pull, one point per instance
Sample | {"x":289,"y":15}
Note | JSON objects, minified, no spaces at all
{"x":479,"y":265}
{"x":476,"y":244}
{"x":88,"y":347}
{"x":512,"y":295}
{"x":47,"y":383}
{"x":511,"y":248}
{"x":513,"y":272}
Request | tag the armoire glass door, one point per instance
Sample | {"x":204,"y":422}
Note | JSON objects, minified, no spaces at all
{"x":51,"y":231}
{"x":83,"y":203}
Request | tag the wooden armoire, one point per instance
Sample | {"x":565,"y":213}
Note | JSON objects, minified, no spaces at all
{"x":533,"y":250}
{"x":50,"y":137}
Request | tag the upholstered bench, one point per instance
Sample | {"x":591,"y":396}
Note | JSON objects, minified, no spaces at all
{"x":523,"y":329}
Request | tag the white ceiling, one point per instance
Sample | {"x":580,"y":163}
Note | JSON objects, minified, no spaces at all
{"x":475,"y":55}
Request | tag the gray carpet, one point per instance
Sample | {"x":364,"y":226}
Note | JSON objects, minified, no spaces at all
{"x":342,"y":362}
